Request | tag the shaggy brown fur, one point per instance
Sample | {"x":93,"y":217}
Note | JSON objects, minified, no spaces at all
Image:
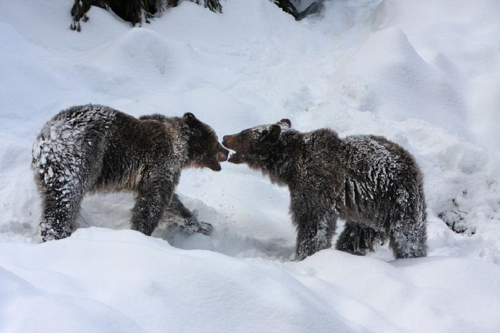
{"x":94,"y":148}
{"x":373,"y":184}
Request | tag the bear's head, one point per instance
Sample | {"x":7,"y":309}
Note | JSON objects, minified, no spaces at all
{"x":256,"y":143}
{"x":204,"y":149}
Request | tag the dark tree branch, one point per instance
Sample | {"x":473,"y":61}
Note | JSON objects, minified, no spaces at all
{"x":130,"y":10}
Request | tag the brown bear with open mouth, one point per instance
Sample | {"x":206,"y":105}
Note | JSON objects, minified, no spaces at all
{"x":94,"y":148}
{"x":370,"y":182}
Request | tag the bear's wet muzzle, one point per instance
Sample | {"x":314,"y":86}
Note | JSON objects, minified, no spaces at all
{"x":231,"y":142}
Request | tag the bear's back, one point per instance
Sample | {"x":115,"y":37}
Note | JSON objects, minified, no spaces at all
{"x":378,"y":163}
{"x":70,"y":130}
{"x":83,"y":116}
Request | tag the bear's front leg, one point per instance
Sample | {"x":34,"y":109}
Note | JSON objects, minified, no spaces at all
{"x":150,"y":205}
{"x":314,"y":233}
{"x":185,"y":219}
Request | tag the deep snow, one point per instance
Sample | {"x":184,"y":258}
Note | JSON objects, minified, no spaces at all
{"x":425,"y":74}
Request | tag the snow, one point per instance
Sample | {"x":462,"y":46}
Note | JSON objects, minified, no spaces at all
{"x":425,"y":74}
{"x":137,"y":283}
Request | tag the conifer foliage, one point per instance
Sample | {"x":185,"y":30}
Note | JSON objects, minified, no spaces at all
{"x":287,"y":6}
{"x":293,"y":7}
{"x":138,"y":11}
{"x":133,"y":11}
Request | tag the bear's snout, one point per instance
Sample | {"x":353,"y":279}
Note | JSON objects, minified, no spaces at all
{"x":233,"y":142}
{"x":225,"y":140}
{"x":228,"y":141}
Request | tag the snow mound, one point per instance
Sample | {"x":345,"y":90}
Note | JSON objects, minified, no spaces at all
{"x":127,"y":279}
{"x":463,"y":46}
{"x":167,"y":289}
{"x":425,"y":294}
{"x":403,"y":84}
{"x":137,"y":51}
{"x":31,"y":309}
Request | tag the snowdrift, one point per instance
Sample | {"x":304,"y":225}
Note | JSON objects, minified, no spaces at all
{"x":103,"y":280}
{"x":424,"y":74}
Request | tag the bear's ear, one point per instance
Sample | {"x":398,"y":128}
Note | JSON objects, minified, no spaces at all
{"x":285,"y":122}
{"x":274,"y":133}
{"x":189,"y":118}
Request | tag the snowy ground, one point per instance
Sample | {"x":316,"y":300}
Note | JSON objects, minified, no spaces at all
{"x":425,"y":74}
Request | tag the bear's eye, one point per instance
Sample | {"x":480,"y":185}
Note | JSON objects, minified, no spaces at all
{"x":263,"y":135}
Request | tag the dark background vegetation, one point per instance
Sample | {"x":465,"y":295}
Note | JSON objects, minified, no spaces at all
{"x":138,"y":11}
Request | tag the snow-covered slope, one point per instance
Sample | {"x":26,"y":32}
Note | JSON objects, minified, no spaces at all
{"x":102,"y":281}
{"x":424,"y":74}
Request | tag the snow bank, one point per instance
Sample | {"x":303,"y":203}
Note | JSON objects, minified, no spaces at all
{"x":138,"y":50}
{"x":160,"y":288}
{"x":32,"y":309}
{"x":403,"y":84}
{"x":128,"y":280}
{"x":424,"y":74}
{"x":463,"y":46}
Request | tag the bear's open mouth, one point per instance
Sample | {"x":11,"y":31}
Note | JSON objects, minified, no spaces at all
{"x":222,"y":156}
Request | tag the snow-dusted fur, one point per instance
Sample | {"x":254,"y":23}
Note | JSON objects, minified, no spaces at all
{"x":95,"y":148}
{"x":373,"y":184}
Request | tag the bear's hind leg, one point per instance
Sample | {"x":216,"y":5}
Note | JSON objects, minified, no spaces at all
{"x":60,"y":208}
{"x":358,"y":239}
{"x":408,"y":239}
{"x":182,"y":217}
